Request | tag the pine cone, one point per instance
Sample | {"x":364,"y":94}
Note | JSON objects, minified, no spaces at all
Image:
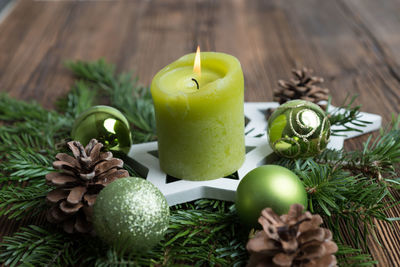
{"x":293,"y":239}
{"x":304,"y":86}
{"x":81,"y":179}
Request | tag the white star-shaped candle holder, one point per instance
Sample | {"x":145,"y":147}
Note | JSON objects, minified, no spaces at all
{"x":145,"y":159}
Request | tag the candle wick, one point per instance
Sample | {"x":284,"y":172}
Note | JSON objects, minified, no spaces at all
{"x":193,"y":79}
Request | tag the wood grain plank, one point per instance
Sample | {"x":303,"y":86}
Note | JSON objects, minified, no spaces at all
{"x":380,"y":21}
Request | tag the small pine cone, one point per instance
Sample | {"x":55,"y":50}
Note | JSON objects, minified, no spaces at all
{"x":304,"y":86}
{"x":293,"y":239}
{"x":80,"y":180}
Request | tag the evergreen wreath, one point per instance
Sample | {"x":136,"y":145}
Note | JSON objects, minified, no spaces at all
{"x":349,"y":189}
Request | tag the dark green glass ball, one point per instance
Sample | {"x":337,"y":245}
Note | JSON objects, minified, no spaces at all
{"x":298,"y":129}
{"x":107,"y":124}
{"x":131,"y":213}
{"x":268,"y":186}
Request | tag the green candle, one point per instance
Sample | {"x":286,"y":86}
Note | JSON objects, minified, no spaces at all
{"x":199,"y":116}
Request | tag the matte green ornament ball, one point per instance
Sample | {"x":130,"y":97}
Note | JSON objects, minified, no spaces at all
{"x":107,"y":124}
{"x":298,"y":129}
{"x":132,"y":213}
{"x":270,"y":186}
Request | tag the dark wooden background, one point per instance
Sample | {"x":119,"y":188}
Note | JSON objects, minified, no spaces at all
{"x":354,"y":44}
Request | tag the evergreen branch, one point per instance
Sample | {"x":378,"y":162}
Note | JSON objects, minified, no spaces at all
{"x":336,"y":193}
{"x":16,"y":110}
{"x":347,"y":116}
{"x":377,"y":159}
{"x":16,"y":202}
{"x":204,"y":234}
{"x":79,"y":98}
{"x":325,"y":185}
{"x":47,"y":133}
{"x":124,"y":93}
{"x":351,"y":257}
{"x":209,"y":240}
{"x":364,"y":203}
{"x":11,"y":142}
{"x":12,"y":110}
{"x":36,"y":246}
{"x":25,"y":166}
{"x":37,"y":125}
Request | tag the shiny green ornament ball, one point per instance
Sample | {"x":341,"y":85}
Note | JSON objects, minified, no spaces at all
{"x":270,"y":186}
{"x":298,"y":129}
{"x":132,"y":213}
{"x":107,"y":124}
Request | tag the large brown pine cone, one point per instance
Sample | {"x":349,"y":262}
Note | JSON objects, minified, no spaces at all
{"x":293,"y":239}
{"x":78,"y":183}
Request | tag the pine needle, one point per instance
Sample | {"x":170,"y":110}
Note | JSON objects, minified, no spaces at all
{"x":347,"y":116}
{"x":124,"y":93}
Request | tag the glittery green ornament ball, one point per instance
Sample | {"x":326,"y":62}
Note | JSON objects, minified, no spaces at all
{"x":132,"y":213}
{"x":298,"y":129}
{"x":268,"y":186}
{"x":106,"y":124}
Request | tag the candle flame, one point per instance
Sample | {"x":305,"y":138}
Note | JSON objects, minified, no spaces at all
{"x":197,"y":64}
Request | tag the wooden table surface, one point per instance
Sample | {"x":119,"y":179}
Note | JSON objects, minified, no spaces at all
{"x":353,"y":44}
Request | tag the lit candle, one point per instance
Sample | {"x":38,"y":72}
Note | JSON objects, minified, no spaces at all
{"x":198,"y":101}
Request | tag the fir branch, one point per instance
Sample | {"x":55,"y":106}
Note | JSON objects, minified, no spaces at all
{"x":124,"y":93}
{"x":351,"y":257}
{"x":198,"y":235}
{"x":347,"y":116}
{"x":364,"y":203}
{"x":16,"y":202}
{"x":12,"y":142}
{"x":336,"y":193}
{"x":377,"y":159}
{"x":31,"y":120}
{"x":26,"y":166}
{"x":79,"y":98}
{"x":12,"y":110}
{"x":36,"y":246}
{"x":49,"y":132}
{"x":28,"y":140}
{"x":17,"y":110}
{"x":204,"y":234}
{"x":325,"y":185}
{"x":23,"y":163}
{"x":210,"y":230}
